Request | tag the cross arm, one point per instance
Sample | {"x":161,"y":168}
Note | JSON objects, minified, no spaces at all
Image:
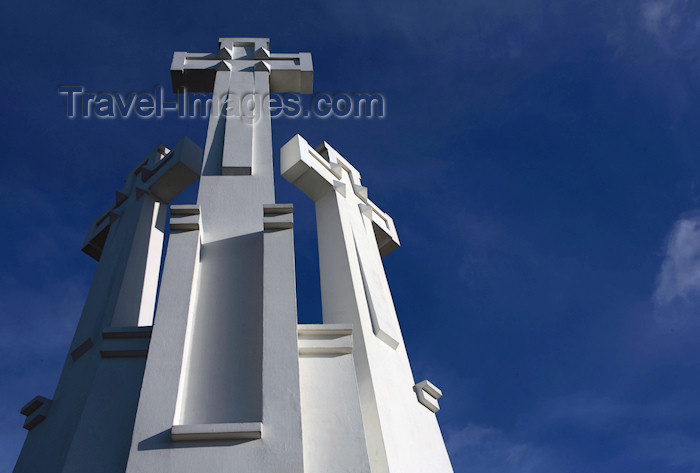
{"x":163,"y":174}
{"x":320,"y":170}
{"x":290,"y":73}
{"x":196,"y":72}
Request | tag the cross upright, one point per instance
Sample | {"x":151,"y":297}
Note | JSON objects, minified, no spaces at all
{"x":241,"y":75}
{"x":223,"y":357}
{"x":353,"y":236}
{"x":336,"y":188}
{"x":134,"y":226}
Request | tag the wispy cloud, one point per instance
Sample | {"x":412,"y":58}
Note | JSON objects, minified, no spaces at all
{"x":677,"y":294}
{"x":549,"y":438}
{"x":675,"y":24}
{"x":478,"y":449}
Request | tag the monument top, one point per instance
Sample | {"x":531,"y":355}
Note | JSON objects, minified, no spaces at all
{"x":196,"y":72}
{"x":257,"y":42}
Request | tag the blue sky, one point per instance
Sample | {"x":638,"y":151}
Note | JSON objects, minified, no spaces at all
{"x":540,"y":160}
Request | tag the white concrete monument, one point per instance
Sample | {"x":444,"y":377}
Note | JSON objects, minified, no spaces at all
{"x":197,"y":364}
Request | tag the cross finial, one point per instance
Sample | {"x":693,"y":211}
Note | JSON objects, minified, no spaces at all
{"x":316,"y":171}
{"x":163,"y":174}
{"x":196,"y":72}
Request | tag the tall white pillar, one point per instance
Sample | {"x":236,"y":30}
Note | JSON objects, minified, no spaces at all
{"x":233,"y":403}
{"x":401,"y":429}
{"x":88,"y":424}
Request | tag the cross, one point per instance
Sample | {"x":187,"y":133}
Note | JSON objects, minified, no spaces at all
{"x":369,"y":233}
{"x":242,"y":68}
{"x":197,"y":71}
{"x":163,"y":174}
{"x":128,"y":238}
{"x":316,"y":171}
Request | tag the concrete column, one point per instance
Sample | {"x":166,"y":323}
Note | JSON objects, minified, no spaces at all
{"x":158,"y":407}
{"x":136,"y":302}
{"x":281,"y":401}
{"x":95,"y":401}
{"x":238,"y":403}
{"x":401,"y":431}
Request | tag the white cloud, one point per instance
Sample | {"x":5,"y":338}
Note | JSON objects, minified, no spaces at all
{"x":677,"y":294}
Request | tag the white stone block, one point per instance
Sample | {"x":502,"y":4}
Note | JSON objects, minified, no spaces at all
{"x":428,"y":395}
{"x":204,"y":432}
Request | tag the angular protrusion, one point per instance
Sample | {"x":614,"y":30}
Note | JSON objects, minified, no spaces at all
{"x":146,"y":173}
{"x":113,"y":216}
{"x":127,"y":332}
{"x":262,"y":53}
{"x":208,"y":432}
{"x":225,"y":53}
{"x":140,"y":191}
{"x":278,"y":217}
{"x":274,"y":209}
{"x":428,"y":395}
{"x":97,"y":237}
{"x":361,"y":192}
{"x":184,"y":218}
{"x":125,"y":342}
{"x":278,"y":222}
{"x":337,"y":170}
{"x":339,"y":187}
{"x":120,"y":198}
{"x":262,"y":66}
{"x":325,"y":339}
{"x":36,"y":411}
{"x":33,"y":405}
{"x":222,"y":66}
{"x":366,"y":210}
{"x":82,"y":349}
